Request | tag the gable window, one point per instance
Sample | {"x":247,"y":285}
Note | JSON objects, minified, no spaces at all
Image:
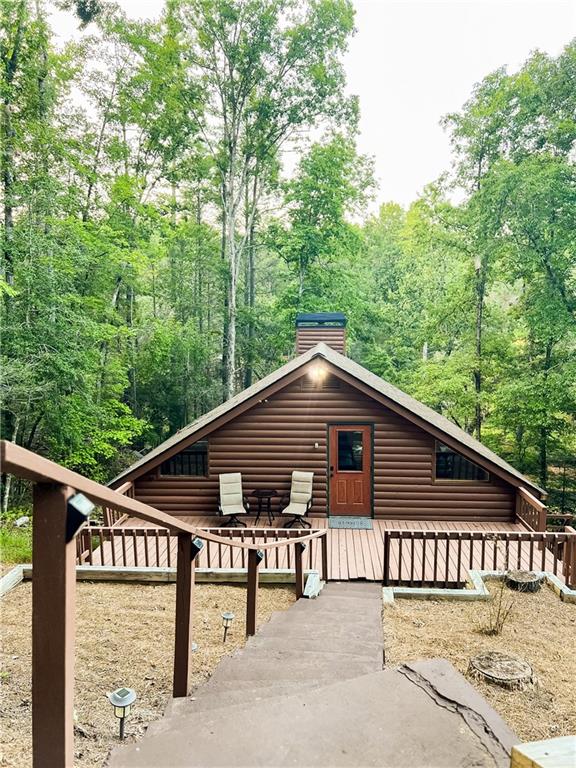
{"x":191,"y":462}
{"x":451,"y":465}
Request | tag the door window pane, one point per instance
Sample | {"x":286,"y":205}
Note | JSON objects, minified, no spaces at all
{"x":350,"y":449}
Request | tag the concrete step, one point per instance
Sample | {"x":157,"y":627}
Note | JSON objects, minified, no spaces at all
{"x":360,"y":590}
{"x":363,"y":627}
{"x":382,"y":719}
{"x":287,"y":667}
{"x":306,"y":644}
{"x":236,"y":693}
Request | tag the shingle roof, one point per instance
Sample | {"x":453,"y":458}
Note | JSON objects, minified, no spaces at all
{"x":423,"y":412}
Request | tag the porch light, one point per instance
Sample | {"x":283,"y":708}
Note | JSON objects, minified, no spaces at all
{"x":122,"y":700}
{"x":318,"y":373}
{"x":227,"y":619}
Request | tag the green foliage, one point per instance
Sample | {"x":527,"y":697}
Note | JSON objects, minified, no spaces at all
{"x":15,"y":544}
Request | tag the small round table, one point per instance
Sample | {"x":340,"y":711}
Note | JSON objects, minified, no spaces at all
{"x":264,"y":495}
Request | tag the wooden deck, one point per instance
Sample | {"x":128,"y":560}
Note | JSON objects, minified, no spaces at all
{"x":352,"y":554}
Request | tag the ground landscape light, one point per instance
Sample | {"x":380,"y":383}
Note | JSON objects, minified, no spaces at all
{"x":122,"y":700}
{"x":227,"y":619}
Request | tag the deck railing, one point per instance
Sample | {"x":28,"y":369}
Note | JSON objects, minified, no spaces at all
{"x":443,"y":558}
{"x":156,"y":548}
{"x":54,"y":549}
{"x":530,"y":510}
{"x":113,"y":516}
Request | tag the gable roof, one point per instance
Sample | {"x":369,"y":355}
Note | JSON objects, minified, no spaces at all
{"x":407,"y":406}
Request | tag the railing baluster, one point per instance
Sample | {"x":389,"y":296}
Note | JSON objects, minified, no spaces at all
{"x":113,"y":545}
{"x":447,"y":563}
{"x":544,"y":544}
{"x":423,"y":579}
{"x":531,"y":554}
{"x":483,"y":554}
{"x":135,"y":545}
{"x":555,"y":554}
{"x":146,"y":554}
{"x":299,"y":566}
{"x":324,"y":545}
{"x":435,"y":559}
{"x":412,"y":559}
{"x":90,"y":549}
{"x":458,"y":558}
{"x":252,"y":597}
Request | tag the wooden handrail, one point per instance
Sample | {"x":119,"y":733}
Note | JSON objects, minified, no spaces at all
{"x":123,"y":488}
{"x":531,"y":499}
{"x":23,"y":463}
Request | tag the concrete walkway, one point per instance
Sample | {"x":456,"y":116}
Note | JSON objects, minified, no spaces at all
{"x":309,"y":690}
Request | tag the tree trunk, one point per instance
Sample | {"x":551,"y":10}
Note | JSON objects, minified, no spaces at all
{"x":250,"y":285}
{"x":544,"y":430}
{"x":480,"y":290}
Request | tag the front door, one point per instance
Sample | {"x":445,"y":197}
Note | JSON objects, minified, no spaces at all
{"x":350,"y":469}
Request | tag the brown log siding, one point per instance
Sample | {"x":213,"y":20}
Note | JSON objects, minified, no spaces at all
{"x":306,"y":338}
{"x":278,"y":436}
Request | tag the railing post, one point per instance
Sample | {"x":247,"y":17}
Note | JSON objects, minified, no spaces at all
{"x":298,"y":557}
{"x":386,"y":574}
{"x":185,"y":573}
{"x":53,"y":629}
{"x":324,"y":541}
{"x":254,"y":558}
{"x":542,"y":519}
{"x":569,"y":557}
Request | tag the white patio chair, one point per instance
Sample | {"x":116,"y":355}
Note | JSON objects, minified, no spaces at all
{"x":232,"y":500}
{"x":300,"y":499}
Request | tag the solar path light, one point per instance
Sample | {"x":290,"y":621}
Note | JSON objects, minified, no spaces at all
{"x":79,"y":509}
{"x":227,"y":619}
{"x":122,"y":700}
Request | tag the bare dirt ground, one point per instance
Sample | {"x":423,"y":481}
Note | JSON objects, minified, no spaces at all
{"x":125,"y":635}
{"x":541,"y":629}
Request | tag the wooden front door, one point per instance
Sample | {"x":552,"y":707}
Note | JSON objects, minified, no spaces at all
{"x":350,"y":469}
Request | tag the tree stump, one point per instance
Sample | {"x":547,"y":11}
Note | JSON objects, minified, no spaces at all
{"x":523,"y":581}
{"x":501,"y":669}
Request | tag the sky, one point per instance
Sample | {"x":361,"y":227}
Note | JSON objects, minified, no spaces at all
{"x":413,"y":61}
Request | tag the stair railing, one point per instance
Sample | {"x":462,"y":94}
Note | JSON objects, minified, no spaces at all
{"x":54,"y":529}
{"x":530,"y":511}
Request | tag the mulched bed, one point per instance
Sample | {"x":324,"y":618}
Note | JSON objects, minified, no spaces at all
{"x":541,"y":629}
{"x":125,"y":635}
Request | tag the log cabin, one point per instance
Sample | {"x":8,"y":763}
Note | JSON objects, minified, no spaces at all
{"x":375,"y":451}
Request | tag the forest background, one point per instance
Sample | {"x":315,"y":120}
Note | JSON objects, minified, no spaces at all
{"x":155,"y":250}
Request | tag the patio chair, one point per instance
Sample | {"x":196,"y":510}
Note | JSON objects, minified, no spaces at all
{"x":300,"y":499}
{"x":232,"y":500}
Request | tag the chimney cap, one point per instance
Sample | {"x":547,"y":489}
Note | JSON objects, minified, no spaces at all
{"x":335,"y":319}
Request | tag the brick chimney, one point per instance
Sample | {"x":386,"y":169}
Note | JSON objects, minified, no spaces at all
{"x":329,"y":327}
